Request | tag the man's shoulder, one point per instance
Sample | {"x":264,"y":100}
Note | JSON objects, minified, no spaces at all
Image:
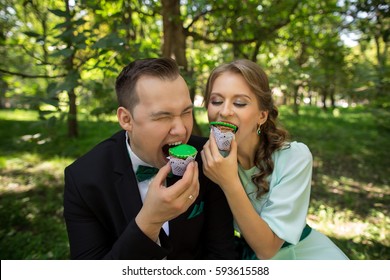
{"x":101,"y":150}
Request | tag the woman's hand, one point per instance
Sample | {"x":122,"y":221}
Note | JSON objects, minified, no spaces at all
{"x":222,"y":170}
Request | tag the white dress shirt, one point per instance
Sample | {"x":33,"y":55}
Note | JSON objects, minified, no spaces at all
{"x":144,"y":185}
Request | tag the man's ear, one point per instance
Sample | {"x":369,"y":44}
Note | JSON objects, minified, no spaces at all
{"x":125,"y":119}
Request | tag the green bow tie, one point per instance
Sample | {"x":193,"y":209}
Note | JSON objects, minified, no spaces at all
{"x":146,"y":172}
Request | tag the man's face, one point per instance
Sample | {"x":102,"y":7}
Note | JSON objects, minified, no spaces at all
{"x":162,"y":117}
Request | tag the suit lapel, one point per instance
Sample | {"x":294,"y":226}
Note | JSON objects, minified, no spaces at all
{"x":174,"y":224}
{"x":128,"y":195}
{"x":126,"y":185}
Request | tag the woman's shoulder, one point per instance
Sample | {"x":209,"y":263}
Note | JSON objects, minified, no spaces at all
{"x":294,"y":150}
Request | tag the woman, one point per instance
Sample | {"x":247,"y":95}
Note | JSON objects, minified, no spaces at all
{"x":265,"y":178}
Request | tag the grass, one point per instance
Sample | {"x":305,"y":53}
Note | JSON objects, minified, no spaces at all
{"x":350,"y":195}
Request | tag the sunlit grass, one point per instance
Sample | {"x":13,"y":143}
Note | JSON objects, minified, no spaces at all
{"x":32,"y":161}
{"x":26,"y":171}
{"x":31,"y":208}
{"x":18,"y":115}
{"x":350,"y":189}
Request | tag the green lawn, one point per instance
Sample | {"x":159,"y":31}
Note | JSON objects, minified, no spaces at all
{"x":350,"y":195}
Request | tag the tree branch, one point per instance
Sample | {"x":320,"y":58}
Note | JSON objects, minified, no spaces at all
{"x":30,"y":76}
{"x":223,"y":40}
{"x":200,"y":15}
{"x":258,"y":37}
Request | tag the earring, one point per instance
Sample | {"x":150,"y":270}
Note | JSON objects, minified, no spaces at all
{"x":259,"y":130}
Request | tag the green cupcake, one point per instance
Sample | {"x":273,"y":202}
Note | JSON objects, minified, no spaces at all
{"x":183,"y":151}
{"x":180,"y":156}
{"x":224,"y":126}
{"x":224,"y":134}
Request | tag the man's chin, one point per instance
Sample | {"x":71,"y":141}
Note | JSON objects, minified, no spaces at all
{"x":163,"y":162}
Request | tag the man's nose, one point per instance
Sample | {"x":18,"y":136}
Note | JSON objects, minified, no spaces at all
{"x":178,"y":126}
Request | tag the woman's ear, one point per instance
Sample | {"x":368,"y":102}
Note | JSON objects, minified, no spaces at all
{"x":124,"y":118}
{"x":263,"y":117}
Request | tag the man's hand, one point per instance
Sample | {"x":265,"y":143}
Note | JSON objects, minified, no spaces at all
{"x":162,"y":204}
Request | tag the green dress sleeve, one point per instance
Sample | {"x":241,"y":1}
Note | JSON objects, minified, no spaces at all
{"x":284,"y":207}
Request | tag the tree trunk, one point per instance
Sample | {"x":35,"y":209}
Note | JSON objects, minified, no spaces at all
{"x":324,"y":93}
{"x":174,"y":38}
{"x":296,"y":105}
{"x":381,"y":67}
{"x":69,"y":66}
{"x":127,"y":17}
{"x":3,"y":90}
{"x":174,"y":44}
{"x":72,"y":115}
{"x":310,"y":95}
{"x":332,"y":97}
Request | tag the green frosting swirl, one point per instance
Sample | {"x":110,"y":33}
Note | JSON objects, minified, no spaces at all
{"x":183,"y":151}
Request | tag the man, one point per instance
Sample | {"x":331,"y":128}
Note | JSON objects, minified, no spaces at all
{"x":110,"y":214}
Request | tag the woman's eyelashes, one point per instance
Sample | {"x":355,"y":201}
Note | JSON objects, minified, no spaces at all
{"x":216,"y":103}
{"x":238,"y":104}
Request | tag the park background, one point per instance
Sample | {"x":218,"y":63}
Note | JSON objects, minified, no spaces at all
{"x":328,"y":66}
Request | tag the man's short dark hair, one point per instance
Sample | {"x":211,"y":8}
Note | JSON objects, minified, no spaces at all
{"x":163,"y":68}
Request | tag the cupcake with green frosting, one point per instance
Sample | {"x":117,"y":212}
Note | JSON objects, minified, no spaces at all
{"x":180,"y":156}
{"x":224,"y":134}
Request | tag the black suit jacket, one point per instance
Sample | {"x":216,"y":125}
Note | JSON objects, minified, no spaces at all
{"x":101,"y":201}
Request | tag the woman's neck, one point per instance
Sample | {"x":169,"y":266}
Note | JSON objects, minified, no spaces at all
{"x":246,"y":156}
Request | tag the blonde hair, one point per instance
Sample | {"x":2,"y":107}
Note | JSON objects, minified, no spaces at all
{"x":273,"y":136}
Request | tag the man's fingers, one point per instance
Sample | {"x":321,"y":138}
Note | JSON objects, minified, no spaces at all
{"x":191,"y":174}
{"x":163,"y":172}
{"x":195,"y":181}
{"x":190,"y":183}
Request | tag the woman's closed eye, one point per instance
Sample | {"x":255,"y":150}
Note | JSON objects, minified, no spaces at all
{"x":236,"y":104}
{"x":216,"y":102}
{"x":240,"y":104}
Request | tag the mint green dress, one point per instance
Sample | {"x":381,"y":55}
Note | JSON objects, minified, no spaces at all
{"x":284,"y":208}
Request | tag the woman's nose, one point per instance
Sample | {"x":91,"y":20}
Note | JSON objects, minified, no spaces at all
{"x":226,"y":111}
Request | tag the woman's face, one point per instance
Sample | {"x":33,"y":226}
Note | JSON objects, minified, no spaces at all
{"x":232,"y":101}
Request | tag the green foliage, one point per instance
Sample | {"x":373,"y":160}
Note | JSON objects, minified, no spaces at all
{"x":109,"y":41}
{"x":73,"y":49}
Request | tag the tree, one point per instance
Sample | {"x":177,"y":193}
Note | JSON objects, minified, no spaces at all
{"x":371,"y":19}
{"x":61,"y":55}
{"x":245,"y":25}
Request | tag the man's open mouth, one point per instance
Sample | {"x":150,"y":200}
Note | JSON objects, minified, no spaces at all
{"x":166,"y":147}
